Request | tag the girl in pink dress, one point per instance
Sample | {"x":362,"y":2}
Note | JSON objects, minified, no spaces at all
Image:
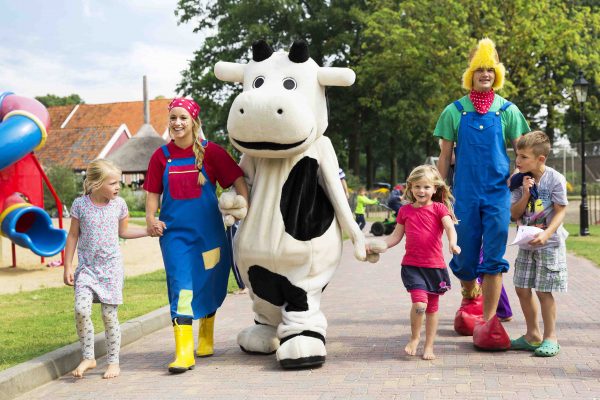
{"x":424,"y":271}
{"x":98,"y":219}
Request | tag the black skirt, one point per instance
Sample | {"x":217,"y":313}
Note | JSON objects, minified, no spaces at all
{"x":432,"y":280}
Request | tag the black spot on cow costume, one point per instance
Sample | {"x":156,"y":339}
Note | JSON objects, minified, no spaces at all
{"x":290,"y":243}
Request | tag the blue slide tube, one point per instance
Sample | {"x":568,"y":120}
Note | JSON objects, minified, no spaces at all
{"x":31,"y":227}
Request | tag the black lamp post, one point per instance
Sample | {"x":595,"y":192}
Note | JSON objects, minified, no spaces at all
{"x":580,"y":87}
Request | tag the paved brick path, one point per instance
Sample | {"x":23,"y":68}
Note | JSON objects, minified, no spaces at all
{"x":367,"y":309}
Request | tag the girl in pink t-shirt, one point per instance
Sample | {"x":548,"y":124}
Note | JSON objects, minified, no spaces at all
{"x":424,"y":272}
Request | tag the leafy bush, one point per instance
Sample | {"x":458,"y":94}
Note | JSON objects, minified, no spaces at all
{"x":135,"y":199}
{"x":67,"y":185}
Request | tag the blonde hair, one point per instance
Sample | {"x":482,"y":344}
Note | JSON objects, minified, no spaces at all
{"x":537,"y":141}
{"x":198,"y":148}
{"x":442,"y":190}
{"x":97,"y":172}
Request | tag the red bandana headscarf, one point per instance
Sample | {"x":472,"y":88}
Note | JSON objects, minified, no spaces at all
{"x":482,"y":101}
{"x":189,"y":105}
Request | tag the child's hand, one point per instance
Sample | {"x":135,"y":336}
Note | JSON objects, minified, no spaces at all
{"x":68,"y":277}
{"x":528,"y":183}
{"x":156,"y":228}
{"x":454,"y":249}
{"x":539,"y":240}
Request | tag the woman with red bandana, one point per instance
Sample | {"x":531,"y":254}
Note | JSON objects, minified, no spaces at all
{"x":192,"y":236}
{"x":480,"y":124}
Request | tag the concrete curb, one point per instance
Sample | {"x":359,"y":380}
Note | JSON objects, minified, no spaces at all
{"x":24,"y":377}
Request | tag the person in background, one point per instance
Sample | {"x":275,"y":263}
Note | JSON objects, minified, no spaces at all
{"x":344,"y":183}
{"x":361,"y":201}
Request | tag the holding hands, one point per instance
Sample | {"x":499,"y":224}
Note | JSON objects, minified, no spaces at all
{"x":233,"y":207}
{"x":375,"y":247}
{"x":155,"y":228}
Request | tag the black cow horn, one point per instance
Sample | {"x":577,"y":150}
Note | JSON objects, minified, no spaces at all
{"x":298,"y":52}
{"x":261,"y":50}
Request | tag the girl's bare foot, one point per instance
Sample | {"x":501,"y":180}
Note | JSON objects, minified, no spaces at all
{"x":112,"y":371}
{"x":428,"y":353}
{"x":83,"y":366}
{"x":411,"y":347}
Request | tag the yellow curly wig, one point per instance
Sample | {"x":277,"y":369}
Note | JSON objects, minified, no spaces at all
{"x":484,"y":56}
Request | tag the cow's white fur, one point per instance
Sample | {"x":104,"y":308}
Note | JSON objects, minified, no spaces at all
{"x":274,"y":114}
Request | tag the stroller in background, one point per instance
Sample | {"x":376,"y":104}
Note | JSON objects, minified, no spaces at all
{"x":388,"y":225}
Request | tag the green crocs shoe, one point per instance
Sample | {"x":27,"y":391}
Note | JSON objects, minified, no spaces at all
{"x":548,"y":348}
{"x":522,"y":344}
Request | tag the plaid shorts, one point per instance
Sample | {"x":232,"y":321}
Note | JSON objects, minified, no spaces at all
{"x":544,"y":270}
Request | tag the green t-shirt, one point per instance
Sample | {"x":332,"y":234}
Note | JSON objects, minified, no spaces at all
{"x":513,"y":122}
{"x":361,"y":202}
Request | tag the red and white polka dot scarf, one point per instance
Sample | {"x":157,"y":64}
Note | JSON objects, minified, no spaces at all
{"x":482,"y":101}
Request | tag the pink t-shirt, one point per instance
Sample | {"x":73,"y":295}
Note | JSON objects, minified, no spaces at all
{"x":423,"y":230}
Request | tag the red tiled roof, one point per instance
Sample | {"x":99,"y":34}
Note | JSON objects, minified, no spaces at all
{"x":114,"y":114}
{"x":90,"y":128}
{"x":58,"y":115}
{"x":75,"y":148}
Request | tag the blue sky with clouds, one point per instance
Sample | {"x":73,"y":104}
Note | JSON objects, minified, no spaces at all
{"x":99,"y":49}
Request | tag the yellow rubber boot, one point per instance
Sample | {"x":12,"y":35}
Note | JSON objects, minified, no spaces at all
{"x":184,"y":349}
{"x":206,"y":338}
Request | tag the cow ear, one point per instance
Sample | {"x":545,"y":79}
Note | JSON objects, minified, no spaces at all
{"x":298,"y":52}
{"x":261,"y":50}
{"x":333,"y":76}
{"x":229,"y":72}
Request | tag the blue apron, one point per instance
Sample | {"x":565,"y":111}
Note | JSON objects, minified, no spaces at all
{"x":482,"y":196}
{"x":194,"y":247}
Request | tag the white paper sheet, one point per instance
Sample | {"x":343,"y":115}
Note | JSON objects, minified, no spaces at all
{"x":526,"y":234}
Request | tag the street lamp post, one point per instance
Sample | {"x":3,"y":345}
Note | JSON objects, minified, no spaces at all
{"x":580,"y":87}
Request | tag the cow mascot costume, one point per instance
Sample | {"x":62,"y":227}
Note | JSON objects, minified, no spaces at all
{"x":290,"y":243}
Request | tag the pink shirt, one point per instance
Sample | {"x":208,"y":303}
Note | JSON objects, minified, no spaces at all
{"x":423,"y":230}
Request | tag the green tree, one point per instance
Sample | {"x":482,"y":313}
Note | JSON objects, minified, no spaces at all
{"x":330,"y":28}
{"x":409,"y":57}
{"x":51,"y":100}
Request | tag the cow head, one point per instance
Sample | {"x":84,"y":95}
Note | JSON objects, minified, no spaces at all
{"x":282,"y":109}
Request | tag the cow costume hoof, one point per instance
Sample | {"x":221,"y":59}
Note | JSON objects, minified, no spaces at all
{"x":302,"y":352}
{"x":259,"y":339}
{"x":468,"y":315}
{"x":491,"y":336}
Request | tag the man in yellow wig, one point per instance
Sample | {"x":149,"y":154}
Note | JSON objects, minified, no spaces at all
{"x":479,"y":125}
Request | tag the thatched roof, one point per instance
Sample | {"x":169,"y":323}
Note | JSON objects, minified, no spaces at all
{"x":133,"y":156}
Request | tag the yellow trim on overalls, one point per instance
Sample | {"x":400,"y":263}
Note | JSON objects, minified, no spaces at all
{"x":211,"y":257}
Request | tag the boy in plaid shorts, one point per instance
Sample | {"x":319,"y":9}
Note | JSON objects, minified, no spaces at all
{"x":539,"y":198}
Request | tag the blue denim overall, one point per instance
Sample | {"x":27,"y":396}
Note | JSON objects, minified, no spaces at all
{"x":482,"y":196}
{"x":194,"y":246}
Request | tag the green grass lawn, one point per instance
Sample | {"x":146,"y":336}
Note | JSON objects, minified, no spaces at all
{"x":584,"y":246}
{"x":37,"y":322}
